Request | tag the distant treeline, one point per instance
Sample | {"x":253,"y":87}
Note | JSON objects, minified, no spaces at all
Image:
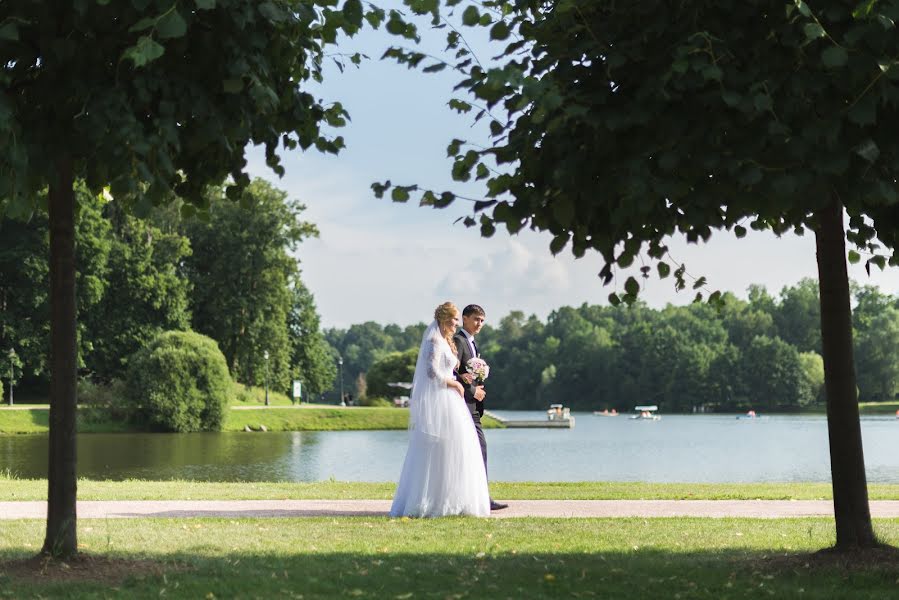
{"x":762,"y":353}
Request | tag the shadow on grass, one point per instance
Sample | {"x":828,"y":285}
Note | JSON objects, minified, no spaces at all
{"x":636,"y":574}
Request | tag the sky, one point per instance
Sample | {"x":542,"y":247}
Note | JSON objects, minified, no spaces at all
{"x":376,"y":260}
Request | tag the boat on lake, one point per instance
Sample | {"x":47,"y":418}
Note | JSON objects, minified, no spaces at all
{"x":646,"y":413}
{"x":557,"y":412}
{"x":606,"y":413}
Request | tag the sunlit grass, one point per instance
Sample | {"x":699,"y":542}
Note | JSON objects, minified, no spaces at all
{"x":12,"y":488}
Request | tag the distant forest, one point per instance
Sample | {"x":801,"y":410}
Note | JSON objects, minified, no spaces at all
{"x":763,"y":353}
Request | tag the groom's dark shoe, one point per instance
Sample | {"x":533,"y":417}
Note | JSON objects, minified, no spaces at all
{"x":494,"y":505}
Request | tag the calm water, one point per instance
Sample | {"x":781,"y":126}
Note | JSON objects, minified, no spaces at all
{"x":701,"y":448}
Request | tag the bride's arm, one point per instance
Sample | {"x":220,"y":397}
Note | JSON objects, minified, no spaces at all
{"x":434,"y":371}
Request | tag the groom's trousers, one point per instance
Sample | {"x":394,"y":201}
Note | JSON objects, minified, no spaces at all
{"x":481,"y":439}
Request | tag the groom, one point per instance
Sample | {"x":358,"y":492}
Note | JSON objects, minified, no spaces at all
{"x":472,"y":320}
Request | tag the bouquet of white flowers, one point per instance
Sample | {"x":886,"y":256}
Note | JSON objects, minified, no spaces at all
{"x":479,"y":368}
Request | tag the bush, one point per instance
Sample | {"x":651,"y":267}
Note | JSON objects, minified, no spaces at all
{"x":179,"y":382}
{"x":375,"y":401}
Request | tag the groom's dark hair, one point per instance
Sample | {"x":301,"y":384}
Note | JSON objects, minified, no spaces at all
{"x":473,"y":309}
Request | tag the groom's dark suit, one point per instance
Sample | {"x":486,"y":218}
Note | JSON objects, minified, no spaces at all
{"x":476,"y":407}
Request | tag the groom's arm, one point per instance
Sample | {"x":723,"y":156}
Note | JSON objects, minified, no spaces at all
{"x":461,"y":352}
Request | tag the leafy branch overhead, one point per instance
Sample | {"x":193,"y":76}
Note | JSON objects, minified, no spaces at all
{"x":156,"y":98}
{"x":715,"y":116}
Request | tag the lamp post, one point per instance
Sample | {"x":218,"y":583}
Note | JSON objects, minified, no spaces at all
{"x":340,"y":368}
{"x":12,"y":373}
{"x":265,"y":355}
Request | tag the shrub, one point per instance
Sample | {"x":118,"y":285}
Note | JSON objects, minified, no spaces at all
{"x":179,"y":382}
{"x":375,"y":401}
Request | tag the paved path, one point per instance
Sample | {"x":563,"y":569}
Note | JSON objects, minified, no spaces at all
{"x":766,"y":509}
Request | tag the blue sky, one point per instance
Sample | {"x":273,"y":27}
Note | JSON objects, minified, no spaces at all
{"x":393,"y":263}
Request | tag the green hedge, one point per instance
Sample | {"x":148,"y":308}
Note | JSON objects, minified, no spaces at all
{"x":179,"y":382}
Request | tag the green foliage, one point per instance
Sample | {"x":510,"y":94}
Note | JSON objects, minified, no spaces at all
{"x":108,"y":83}
{"x":615,"y":127}
{"x":240,"y":270}
{"x":376,"y":401}
{"x":146,"y":292}
{"x":312,"y":358}
{"x":396,"y":367}
{"x":179,"y":382}
{"x":24,"y":271}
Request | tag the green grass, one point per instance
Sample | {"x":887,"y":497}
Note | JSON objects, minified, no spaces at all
{"x":325,"y":418}
{"x":306,"y":417}
{"x":36,"y":489}
{"x":255,"y":396}
{"x":360,"y":557}
{"x":878,"y":408}
{"x":89,"y":420}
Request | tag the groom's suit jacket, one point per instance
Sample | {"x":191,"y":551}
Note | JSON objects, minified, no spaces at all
{"x":464,"y":352}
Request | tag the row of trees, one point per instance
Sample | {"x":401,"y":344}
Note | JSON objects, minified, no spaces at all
{"x":762,"y":353}
{"x":231,"y":277}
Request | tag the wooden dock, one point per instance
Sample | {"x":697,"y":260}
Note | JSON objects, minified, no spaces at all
{"x":539,"y":424}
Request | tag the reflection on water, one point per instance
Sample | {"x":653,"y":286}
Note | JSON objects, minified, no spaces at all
{"x":701,"y":448}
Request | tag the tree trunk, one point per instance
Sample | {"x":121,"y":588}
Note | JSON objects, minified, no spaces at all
{"x":61,"y":540}
{"x":847,"y":461}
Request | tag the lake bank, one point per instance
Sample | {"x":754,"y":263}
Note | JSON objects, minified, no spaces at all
{"x":304,"y":417}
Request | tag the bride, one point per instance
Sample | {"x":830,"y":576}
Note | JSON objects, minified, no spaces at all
{"x":443,"y":473}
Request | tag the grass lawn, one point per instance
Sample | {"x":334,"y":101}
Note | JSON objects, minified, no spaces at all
{"x":12,"y":489}
{"x":357,"y":557}
{"x":306,"y":417}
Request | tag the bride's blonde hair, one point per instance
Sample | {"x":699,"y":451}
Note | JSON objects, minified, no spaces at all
{"x":443,"y":314}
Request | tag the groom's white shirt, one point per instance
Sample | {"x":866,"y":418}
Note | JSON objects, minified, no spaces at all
{"x":470,"y":339}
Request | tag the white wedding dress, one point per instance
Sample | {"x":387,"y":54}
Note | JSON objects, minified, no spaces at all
{"x":443,"y":473}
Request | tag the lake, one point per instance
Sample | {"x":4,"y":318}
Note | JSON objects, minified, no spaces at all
{"x":679,"y":448}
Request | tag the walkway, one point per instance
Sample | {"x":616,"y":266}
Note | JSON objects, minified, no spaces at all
{"x":765,"y":509}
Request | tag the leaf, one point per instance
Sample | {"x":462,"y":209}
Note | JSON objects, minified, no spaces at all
{"x":853,"y":257}
{"x":632,"y":286}
{"x":813,"y":31}
{"x":868,"y":150}
{"x":558,"y":243}
{"x":145,"y":23}
{"x":145,"y":51}
{"x":664,"y":269}
{"x":399,"y":194}
{"x":614,"y":300}
{"x":352,"y":11}
{"x":471,"y":16}
{"x":739,"y":231}
{"x":500,"y":31}
{"x":172,"y":25}
{"x":834,"y":57}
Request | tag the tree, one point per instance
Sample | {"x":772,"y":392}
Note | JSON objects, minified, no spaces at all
{"x":878,"y":357}
{"x":625,"y":124}
{"x":772,"y":373}
{"x":395,"y":367}
{"x":311,"y":357}
{"x":240,"y":269}
{"x":144,"y":97}
{"x":798,"y":316}
{"x":146,"y":293}
{"x":24,"y":268}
